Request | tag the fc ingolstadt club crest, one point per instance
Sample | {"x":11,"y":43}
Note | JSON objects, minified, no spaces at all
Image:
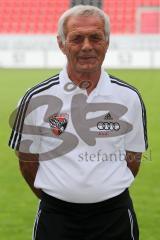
{"x":58,"y":123}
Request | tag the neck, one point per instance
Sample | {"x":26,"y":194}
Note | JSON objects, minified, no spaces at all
{"x":85,"y":80}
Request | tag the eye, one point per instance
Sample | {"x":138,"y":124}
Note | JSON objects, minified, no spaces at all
{"x":77,"y":39}
{"x":96,"y":38}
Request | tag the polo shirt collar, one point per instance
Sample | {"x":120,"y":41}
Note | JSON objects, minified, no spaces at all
{"x":103,"y":88}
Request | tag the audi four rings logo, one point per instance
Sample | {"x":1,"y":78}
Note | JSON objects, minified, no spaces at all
{"x":110,"y":126}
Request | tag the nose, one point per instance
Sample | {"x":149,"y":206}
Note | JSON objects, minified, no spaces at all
{"x":86,"y":44}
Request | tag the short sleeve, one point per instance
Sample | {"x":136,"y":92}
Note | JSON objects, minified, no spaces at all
{"x":24,"y":136}
{"x":136,"y":140}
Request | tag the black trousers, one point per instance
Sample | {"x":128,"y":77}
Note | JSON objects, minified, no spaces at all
{"x":112,"y":219}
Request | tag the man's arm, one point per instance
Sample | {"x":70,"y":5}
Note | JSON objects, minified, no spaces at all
{"x":133,"y":161}
{"x":29,"y":164}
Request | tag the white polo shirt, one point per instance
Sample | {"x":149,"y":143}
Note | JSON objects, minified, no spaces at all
{"x":81,"y":140}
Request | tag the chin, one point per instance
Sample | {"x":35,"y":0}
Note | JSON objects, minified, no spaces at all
{"x":88,"y":69}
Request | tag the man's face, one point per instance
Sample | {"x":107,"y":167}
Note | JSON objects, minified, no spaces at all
{"x":85,"y":45}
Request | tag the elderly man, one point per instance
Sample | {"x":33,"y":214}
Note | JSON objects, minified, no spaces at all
{"x":79,"y":137}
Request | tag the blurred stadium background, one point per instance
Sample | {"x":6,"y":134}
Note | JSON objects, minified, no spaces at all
{"x":29,"y":54}
{"x":28,"y":29}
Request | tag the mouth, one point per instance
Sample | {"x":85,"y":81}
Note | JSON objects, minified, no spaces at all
{"x":87,"y":59}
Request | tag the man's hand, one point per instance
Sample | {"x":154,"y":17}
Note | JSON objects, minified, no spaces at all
{"x":29,"y":164}
{"x":133,"y":161}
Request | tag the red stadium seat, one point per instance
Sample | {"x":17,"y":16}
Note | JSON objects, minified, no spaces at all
{"x":41,"y":16}
{"x":30,"y":16}
{"x":150,"y":22}
{"x":123,"y":14}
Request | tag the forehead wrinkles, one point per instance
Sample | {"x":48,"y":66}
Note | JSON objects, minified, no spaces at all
{"x":85,"y":33}
{"x":84,"y":24}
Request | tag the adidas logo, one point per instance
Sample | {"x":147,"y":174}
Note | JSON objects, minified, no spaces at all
{"x":108,"y":117}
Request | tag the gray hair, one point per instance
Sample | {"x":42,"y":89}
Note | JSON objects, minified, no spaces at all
{"x":83,"y":10}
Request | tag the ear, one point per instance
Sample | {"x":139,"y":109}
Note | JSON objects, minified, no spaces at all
{"x":107,"y":45}
{"x":60,"y":44}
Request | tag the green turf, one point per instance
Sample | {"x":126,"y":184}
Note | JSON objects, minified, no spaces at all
{"x":17,"y":203}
